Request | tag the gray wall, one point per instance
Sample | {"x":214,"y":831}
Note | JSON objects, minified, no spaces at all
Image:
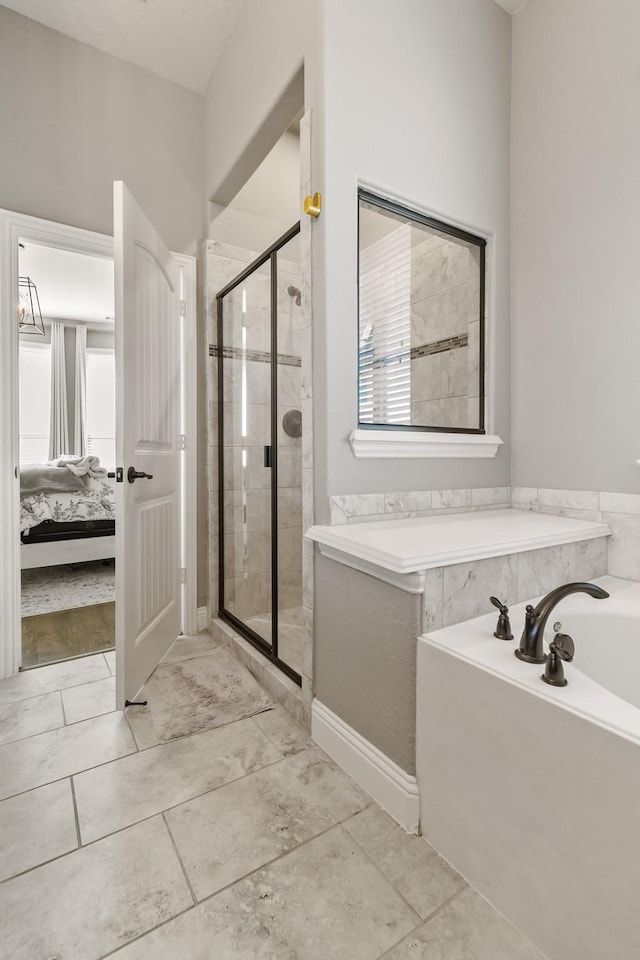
{"x":245,"y":111}
{"x":416,"y":101}
{"x":365,"y":657}
{"x":576,"y":236}
{"x":73,"y":120}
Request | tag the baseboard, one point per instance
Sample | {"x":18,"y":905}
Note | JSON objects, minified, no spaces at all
{"x":390,"y":786}
{"x":202,"y":618}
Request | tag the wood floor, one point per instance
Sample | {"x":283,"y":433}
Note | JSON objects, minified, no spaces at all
{"x":67,"y":633}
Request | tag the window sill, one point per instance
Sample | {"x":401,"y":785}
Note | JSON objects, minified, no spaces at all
{"x":412,"y":445}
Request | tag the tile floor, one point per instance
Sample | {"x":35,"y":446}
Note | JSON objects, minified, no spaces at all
{"x":237,"y":843}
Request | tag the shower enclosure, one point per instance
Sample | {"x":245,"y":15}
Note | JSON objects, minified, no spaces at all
{"x":260,"y":453}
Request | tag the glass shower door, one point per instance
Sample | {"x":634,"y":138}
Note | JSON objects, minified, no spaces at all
{"x":260,"y":456}
{"x":246,"y":432}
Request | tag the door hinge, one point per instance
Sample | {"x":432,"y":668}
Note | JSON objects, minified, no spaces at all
{"x":183,"y":308}
{"x":182,"y":574}
{"x":182,"y":441}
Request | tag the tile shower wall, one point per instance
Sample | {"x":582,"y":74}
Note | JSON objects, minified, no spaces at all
{"x":444,"y":333}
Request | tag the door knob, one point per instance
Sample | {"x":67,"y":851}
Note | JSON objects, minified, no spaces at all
{"x":133,"y":474}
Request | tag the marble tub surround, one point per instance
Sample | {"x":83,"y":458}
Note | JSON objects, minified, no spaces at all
{"x":620,"y":511}
{"x":298,"y":864}
{"x":380,"y":584}
{"x":360,"y":507}
{"x":410,"y":545}
{"x":461,"y":591}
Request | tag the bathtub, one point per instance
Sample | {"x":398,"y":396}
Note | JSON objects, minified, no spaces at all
{"x":533,"y":792}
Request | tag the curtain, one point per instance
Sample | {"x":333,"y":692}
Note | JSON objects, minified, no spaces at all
{"x":58,"y":424}
{"x":80,"y":425}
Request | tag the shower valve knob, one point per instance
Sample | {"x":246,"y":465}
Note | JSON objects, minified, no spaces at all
{"x":503,"y":628}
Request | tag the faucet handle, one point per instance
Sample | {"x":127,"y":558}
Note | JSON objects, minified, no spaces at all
{"x":561,"y":648}
{"x":503,"y":628}
{"x":563,"y":645}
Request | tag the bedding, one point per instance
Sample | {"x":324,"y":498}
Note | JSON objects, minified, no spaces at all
{"x":96,"y":501}
{"x":48,"y":479}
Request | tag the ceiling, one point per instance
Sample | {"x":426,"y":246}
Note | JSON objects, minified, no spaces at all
{"x":71,"y":286}
{"x":513,"y":6}
{"x":181,"y":41}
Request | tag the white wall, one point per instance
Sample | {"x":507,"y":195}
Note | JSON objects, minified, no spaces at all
{"x":267,"y":205}
{"x":74,"y":119}
{"x":416,"y":101}
{"x":244,"y":112}
{"x":576,"y":243}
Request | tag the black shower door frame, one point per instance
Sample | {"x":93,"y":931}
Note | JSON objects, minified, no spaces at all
{"x":270,"y":651}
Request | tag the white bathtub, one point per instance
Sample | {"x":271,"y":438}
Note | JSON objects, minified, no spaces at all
{"x":533,"y":791}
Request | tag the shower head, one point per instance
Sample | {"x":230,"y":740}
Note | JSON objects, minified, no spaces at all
{"x":294,"y":292}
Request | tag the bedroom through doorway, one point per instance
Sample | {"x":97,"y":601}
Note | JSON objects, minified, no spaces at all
{"x":66,"y":402}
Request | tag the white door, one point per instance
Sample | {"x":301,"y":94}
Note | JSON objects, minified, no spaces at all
{"x":148,"y":399}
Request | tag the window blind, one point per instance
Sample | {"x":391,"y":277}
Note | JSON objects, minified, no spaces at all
{"x":35,"y":401}
{"x":101,"y":405}
{"x":385,"y":329}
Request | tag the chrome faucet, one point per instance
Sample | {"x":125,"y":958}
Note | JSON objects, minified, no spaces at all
{"x":530,"y":648}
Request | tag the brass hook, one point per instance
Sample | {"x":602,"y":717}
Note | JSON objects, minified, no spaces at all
{"x":312,"y":206}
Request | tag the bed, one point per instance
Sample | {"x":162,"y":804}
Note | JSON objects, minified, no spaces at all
{"x":60,"y":526}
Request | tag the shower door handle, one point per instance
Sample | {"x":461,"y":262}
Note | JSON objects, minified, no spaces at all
{"x":267,"y":456}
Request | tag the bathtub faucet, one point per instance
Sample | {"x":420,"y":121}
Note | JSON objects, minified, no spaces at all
{"x":530,"y":648}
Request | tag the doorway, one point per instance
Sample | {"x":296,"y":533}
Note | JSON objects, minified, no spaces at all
{"x":17,"y":228}
{"x":66,"y":418}
{"x":260,"y":453}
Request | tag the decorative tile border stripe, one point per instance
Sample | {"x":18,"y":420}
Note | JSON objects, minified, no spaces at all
{"x":260,"y":356}
{"x":439,"y":346}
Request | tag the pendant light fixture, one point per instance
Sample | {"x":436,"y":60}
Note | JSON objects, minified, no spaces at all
{"x":29,"y":313}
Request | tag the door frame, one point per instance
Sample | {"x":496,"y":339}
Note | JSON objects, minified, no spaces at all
{"x":14,"y":226}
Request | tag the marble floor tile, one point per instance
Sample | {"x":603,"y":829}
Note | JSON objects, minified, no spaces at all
{"x":24,"y":718}
{"x":50,"y":756}
{"x":185,"y":648}
{"x":110,"y":657}
{"x":283,"y":731}
{"x":415,"y":869}
{"x":218,"y":929}
{"x":232,"y":831}
{"x":468,"y":928}
{"x":36,"y":827}
{"x":93,"y":901}
{"x":198,"y":694}
{"x":323,"y":901}
{"x":121,"y":793}
{"x":89,"y":700}
{"x":142,"y":728}
{"x":56,"y":676}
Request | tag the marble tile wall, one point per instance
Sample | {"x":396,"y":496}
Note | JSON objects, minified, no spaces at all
{"x":461,"y":591}
{"x":444,"y":305}
{"x":360,"y":507}
{"x":621,"y":511}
